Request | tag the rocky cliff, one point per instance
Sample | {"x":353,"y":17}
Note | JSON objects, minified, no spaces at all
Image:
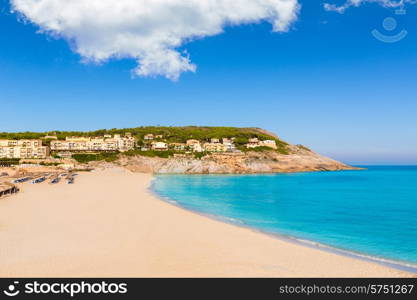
{"x":299,"y":159}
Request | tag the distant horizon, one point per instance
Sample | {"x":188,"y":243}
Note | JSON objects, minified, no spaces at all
{"x":381,"y":164}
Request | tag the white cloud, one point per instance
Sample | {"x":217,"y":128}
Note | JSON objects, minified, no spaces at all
{"x":355,"y":3}
{"x":149,"y":31}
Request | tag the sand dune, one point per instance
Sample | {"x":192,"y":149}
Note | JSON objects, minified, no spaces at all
{"x":109,"y":225}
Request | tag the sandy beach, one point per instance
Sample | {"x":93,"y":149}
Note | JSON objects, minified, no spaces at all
{"x":108,"y":224}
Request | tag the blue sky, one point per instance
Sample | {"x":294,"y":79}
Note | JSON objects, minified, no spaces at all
{"x":326,"y":83}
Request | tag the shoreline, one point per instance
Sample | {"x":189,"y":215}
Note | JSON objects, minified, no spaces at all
{"x":109,"y":224}
{"x":386,"y":262}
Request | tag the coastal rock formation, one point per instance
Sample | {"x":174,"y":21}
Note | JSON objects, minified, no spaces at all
{"x":299,"y":159}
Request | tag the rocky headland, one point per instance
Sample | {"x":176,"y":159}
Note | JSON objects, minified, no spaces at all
{"x":299,"y":159}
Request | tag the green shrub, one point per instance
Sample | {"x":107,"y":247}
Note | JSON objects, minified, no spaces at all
{"x":304,"y":148}
{"x":104,"y":156}
{"x":199,"y":155}
{"x":50,"y":164}
{"x":11,"y":161}
{"x":152,"y":153}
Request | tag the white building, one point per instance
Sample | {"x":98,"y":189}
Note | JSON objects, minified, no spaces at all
{"x":228,"y":143}
{"x":20,"y":143}
{"x":159,"y":146}
{"x":79,"y":144}
{"x":214,"y":147}
{"x":178,"y":146}
{"x":195,"y":145}
{"x":269,"y":143}
{"x":255,"y":142}
{"x":23,"y":149}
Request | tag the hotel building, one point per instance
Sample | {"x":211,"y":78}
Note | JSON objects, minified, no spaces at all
{"x":214,"y":147}
{"x":159,"y":146}
{"x":254,"y":143}
{"x":106,"y":143}
{"x":194,"y":145}
{"x":23,"y":149}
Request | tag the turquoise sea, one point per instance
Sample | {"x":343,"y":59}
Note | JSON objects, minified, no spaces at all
{"x":371,"y":212}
